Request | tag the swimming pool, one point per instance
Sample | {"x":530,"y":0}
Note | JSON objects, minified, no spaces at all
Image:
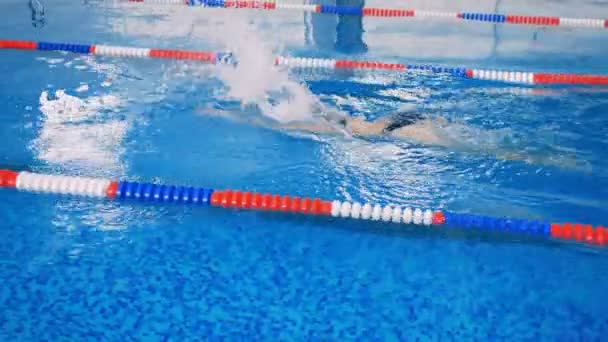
{"x":79,"y":268}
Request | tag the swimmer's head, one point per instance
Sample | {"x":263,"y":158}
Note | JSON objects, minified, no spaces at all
{"x":335,"y":117}
{"x":339,"y":122}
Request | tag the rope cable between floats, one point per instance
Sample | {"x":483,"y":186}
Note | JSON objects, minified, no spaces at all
{"x":492,"y":18}
{"x":517,"y":77}
{"x":155,"y":193}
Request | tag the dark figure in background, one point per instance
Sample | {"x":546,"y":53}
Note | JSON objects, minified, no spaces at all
{"x":37,"y":10}
{"x":343,"y":33}
{"x":349,"y":33}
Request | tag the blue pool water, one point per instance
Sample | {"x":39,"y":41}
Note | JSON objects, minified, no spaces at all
{"x":80,"y":269}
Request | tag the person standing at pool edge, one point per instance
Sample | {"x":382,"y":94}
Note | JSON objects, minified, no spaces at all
{"x":349,"y":33}
{"x":343,"y":33}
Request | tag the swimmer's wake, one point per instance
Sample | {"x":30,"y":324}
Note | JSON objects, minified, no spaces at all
{"x":408,"y":125}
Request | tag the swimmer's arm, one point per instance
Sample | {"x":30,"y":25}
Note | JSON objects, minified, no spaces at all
{"x":357,"y":126}
{"x":234,"y":117}
{"x":309,"y":127}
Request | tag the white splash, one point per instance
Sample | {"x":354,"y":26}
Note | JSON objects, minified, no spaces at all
{"x":82,"y":88}
{"x":70,"y":109}
{"x":253,"y":37}
{"x":254,"y":80}
{"x":72,"y":132}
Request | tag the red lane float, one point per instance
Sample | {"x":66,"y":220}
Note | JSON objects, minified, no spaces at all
{"x":532,"y":20}
{"x":270,"y":202}
{"x":183,"y":54}
{"x":17,"y":44}
{"x":580,"y":233}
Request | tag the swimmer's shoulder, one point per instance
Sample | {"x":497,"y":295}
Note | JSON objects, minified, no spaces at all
{"x":423,"y":131}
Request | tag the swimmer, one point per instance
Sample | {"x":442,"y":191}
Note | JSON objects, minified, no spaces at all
{"x":404,"y":125}
{"x":407,"y":125}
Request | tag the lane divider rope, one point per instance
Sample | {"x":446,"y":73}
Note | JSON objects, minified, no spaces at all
{"x":150,"y":193}
{"x":494,"y":18}
{"x":517,"y":77}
